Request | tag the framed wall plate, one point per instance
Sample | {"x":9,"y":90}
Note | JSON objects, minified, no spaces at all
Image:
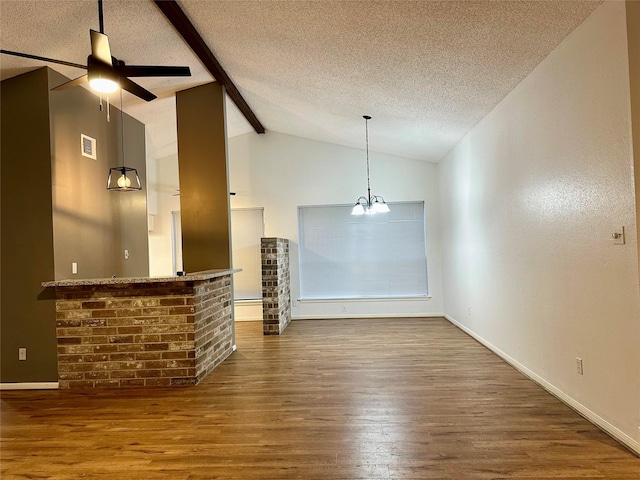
{"x":88,"y":146}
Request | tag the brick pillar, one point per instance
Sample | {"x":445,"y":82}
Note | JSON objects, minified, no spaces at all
{"x":276,"y":285}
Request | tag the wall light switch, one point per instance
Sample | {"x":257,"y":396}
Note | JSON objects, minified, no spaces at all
{"x":74,"y":268}
{"x":22,"y":354}
{"x":126,"y":254}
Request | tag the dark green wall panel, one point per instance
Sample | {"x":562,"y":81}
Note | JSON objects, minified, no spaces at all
{"x":204,"y":191}
{"x":27,"y":233}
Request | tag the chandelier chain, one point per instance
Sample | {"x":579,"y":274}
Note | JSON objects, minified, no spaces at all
{"x":366,"y":127}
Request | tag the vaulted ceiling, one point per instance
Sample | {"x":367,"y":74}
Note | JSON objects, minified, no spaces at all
{"x":426,"y":71}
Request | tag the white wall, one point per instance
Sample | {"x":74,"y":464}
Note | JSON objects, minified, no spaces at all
{"x":280,"y":172}
{"x":163,"y":186}
{"x":530,"y":199}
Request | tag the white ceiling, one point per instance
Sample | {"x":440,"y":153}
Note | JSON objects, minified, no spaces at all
{"x":426,"y":71}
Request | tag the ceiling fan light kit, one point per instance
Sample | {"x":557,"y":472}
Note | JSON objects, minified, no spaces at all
{"x":102,"y":77}
{"x":103,"y":85}
{"x":106,"y":74}
{"x":371,"y":204}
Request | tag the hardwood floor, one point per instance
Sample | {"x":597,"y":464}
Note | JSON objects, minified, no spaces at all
{"x":332,"y":399}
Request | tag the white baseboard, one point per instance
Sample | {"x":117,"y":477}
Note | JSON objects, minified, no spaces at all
{"x":29,"y":386}
{"x":593,"y":417}
{"x":345,"y":316}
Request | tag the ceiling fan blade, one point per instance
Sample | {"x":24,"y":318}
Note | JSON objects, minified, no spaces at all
{"x":72,"y":83}
{"x":152,"y":71}
{"x":136,"y":89}
{"x":44,"y":59}
{"x":100,"y":47}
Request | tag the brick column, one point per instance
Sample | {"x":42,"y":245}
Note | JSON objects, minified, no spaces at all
{"x":276,"y":285}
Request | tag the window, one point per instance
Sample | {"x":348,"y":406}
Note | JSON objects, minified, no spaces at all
{"x":247,"y":228}
{"x":368,"y":256}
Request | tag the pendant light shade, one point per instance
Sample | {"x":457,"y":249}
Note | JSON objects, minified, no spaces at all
{"x":123,"y":179}
{"x":358,"y":209}
{"x":371,"y":204}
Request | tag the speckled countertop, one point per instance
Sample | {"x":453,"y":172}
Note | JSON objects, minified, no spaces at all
{"x":190,"y":277}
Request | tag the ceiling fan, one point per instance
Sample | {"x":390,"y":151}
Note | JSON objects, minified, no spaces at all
{"x":106,"y":73}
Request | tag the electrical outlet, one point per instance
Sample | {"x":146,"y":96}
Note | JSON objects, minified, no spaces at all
{"x":22,"y":354}
{"x":74,"y":268}
{"x":579,"y":366}
{"x":126,"y":254}
{"x":469,"y":310}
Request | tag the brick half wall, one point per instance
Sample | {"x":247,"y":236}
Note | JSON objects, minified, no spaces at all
{"x":212,"y":324}
{"x":142,"y":335}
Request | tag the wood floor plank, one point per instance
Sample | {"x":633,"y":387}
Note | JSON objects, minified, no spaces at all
{"x":332,"y":399}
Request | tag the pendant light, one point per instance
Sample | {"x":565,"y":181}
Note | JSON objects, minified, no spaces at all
{"x":371,"y":204}
{"x":123,"y":179}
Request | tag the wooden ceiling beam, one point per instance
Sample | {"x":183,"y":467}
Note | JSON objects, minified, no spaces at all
{"x":185,"y":28}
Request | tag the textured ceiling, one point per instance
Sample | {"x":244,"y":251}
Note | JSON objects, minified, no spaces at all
{"x":426,"y":71}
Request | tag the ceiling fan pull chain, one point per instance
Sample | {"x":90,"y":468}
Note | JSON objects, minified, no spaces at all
{"x":101,"y":108}
{"x":108,"y":110}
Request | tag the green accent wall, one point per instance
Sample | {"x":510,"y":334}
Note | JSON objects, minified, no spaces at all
{"x":91,"y":225}
{"x":204,"y":187}
{"x":27,"y":312}
{"x":55,"y":210}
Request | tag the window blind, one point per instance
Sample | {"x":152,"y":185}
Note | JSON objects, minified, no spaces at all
{"x":368,"y":256}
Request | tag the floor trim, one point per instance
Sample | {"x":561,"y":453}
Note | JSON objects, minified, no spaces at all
{"x":593,"y":417}
{"x":29,"y":386}
{"x":366,"y":315}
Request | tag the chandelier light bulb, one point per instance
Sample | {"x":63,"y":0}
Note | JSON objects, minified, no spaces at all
{"x":375,"y":208}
